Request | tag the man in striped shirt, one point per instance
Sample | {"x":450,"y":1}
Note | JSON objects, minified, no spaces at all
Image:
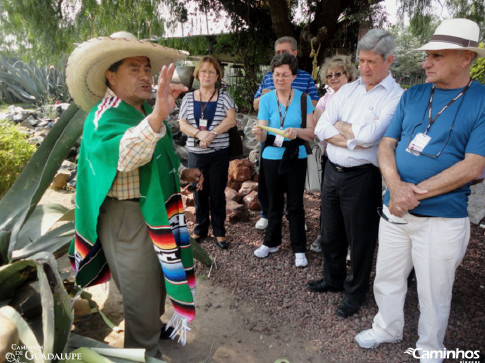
{"x":304,"y":83}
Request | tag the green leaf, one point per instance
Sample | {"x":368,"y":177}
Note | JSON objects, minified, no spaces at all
{"x":55,"y":241}
{"x":57,"y":313}
{"x":26,"y":334}
{"x":13,"y":275}
{"x":21,"y":199}
{"x":40,"y":221}
{"x":200,"y":254}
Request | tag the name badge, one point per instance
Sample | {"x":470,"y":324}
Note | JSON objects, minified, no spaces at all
{"x":278,"y":141}
{"x":418,"y":144}
{"x":203,"y":124}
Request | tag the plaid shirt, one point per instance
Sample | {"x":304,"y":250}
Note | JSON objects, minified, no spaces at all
{"x":136,"y":149}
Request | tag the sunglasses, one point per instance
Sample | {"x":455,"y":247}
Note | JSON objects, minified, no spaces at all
{"x":336,"y":74}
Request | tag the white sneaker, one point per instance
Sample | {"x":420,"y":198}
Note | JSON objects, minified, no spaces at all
{"x":368,"y":339}
{"x":262,"y":223}
{"x":300,"y":259}
{"x":263,"y":251}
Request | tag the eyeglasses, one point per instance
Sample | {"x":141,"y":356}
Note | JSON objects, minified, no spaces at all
{"x":336,"y":74}
{"x":283,"y":76}
{"x":387,"y":219}
{"x":434,"y":156}
{"x":210,"y":73}
{"x":276,"y":52}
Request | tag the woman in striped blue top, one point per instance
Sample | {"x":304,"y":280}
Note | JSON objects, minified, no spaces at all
{"x":205,"y":117}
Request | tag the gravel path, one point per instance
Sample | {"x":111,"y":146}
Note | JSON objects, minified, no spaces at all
{"x":276,"y":288}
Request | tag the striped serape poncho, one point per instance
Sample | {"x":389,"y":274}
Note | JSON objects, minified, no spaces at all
{"x":160,"y":204}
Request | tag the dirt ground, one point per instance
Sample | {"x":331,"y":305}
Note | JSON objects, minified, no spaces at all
{"x":252,"y":310}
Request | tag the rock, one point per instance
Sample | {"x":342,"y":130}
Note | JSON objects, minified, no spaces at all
{"x":190,"y":214}
{"x":182,"y":153}
{"x":188,"y":200}
{"x":235,"y":212}
{"x":230,"y":194}
{"x":476,"y":203}
{"x":240,"y":170}
{"x":61,"y":178}
{"x":247,"y":187}
{"x":251,"y":201}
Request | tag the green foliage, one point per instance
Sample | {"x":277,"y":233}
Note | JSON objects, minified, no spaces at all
{"x":478,"y":69}
{"x":30,"y":83}
{"x":48,"y":29}
{"x":408,"y":64}
{"x":15,"y":152}
{"x":243,"y":95}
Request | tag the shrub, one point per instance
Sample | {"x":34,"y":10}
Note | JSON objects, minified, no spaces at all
{"x":15,"y":151}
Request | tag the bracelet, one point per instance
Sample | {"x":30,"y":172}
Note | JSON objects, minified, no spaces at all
{"x":196,"y":134}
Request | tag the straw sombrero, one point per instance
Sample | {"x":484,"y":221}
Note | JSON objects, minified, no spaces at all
{"x":88,"y":63}
{"x":457,"y":34}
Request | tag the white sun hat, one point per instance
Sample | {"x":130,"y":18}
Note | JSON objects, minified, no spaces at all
{"x":459,"y":34}
{"x":88,"y":63}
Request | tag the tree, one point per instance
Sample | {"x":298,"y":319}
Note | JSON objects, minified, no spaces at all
{"x":45,"y":30}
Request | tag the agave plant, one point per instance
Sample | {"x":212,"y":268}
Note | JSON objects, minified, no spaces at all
{"x":30,"y":284}
{"x":29,"y":83}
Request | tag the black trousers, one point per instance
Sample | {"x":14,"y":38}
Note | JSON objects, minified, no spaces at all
{"x":350,"y":200}
{"x":324,"y":163}
{"x":293,"y":184}
{"x":214,"y":167}
{"x":262,"y":192}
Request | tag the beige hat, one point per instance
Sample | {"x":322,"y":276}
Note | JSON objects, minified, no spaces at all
{"x":88,"y":63}
{"x":455,"y":34}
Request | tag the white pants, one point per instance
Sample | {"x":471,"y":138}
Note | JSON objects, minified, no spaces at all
{"x":435,"y":247}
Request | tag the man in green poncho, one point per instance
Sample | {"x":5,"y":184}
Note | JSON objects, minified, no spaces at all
{"x":130,"y":221}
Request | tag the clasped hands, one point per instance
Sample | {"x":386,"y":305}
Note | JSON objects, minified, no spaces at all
{"x":403,"y":197}
{"x":205,"y":137}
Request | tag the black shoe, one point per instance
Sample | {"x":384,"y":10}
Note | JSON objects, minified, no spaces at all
{"x":348,"y":307}
{"x":165,"y":333}
{"x":222,"y":244}
{"x":322,"y":286}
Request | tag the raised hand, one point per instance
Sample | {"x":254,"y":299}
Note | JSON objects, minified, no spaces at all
{"x":167,"y":93}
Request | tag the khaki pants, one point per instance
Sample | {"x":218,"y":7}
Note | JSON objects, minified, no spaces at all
{"x":136,"y":271}
{"x":435,"y":247}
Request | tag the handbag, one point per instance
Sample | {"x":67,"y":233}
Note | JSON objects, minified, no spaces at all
{"x":313,"y":176}
{"x":235,"y":142}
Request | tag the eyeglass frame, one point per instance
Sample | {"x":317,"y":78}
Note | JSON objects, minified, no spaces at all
{"x":283,"y":76}
{"x":423,"y":153}
{"x":336,"y":74}
{"x":386,"y":218}
{"x":210,"y":73}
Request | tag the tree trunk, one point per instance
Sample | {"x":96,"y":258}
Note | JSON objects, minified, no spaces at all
{"x":280,"y":18}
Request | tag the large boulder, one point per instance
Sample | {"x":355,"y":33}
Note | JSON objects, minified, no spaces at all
{"x":240,"y":170}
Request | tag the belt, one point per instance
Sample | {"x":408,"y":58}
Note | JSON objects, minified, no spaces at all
{"x":343,"y":169}
{"x":124,"y":200}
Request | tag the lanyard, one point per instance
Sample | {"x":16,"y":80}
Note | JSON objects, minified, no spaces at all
{"x":282,"y":118}
{"x":430,"y":106}
{"x":202,"y":106}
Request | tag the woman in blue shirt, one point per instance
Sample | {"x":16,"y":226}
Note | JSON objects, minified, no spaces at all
{"x":284,"y":158}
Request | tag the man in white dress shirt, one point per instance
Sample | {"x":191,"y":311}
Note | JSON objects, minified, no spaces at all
{"x":353,"y":125}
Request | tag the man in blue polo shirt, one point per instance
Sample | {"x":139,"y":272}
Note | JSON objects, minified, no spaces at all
{"x":434,"y":147}
{"x":304,"y":83}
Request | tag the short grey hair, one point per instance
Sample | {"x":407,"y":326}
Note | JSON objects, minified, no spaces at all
{"x":291,"y":40}
{"x":378,"y":41}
